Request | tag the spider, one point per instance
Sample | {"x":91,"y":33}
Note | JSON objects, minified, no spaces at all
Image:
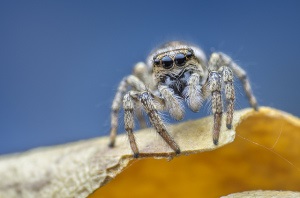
{"x":174,"y":73}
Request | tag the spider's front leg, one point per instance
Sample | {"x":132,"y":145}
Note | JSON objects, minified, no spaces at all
{"x":214,"y":80}
{"x":227,"y":76}
{"x":146,"y":100}
{"x":129,"y":121}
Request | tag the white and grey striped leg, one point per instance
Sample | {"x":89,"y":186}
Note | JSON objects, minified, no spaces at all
{"x":242,"y":75}
{"x":156,"y":121}
{"x":227,"y":76}
{"x":193,"y":93}
{"x":248,"y":90}
{"x":115,"y":108}
{"x":129,"y":122}
{"x":146,"y":100}
{"x":223,"y":59}
{"x":217,"y":104}
{"x":136,"y":84}
{"x":172,"y":102}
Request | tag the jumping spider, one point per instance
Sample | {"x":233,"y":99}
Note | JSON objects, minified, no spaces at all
{"x":177,"y":72}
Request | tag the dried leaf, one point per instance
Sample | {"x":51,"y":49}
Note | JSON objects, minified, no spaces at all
{"x":78,"y":169}
{"x":263,"y":194}
{"x":264,"y":156}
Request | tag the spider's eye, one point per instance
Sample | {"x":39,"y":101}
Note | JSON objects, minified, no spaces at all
{"x":167,"y":62}
{"x":156,"y":61}
{"x":190,"y":53}
{"x":180,"y":59}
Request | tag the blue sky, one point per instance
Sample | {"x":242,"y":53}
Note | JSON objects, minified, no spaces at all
{"x":61,"y":61}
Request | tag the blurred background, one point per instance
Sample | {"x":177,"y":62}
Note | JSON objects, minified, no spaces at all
{"x":61,"y":61}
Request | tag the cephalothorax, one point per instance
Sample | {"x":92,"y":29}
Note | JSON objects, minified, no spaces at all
{"x":174,"y":73}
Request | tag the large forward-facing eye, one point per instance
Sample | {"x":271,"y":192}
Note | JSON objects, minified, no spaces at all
{"x":180,"y":59}
{"x":167,"y":62}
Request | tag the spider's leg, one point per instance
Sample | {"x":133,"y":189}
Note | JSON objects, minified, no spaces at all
{"x":248,"y":90}
{"x":172,"y":102}
{"x":129,"y":122}
{"x":193,"y":92}
{"x":156,"y":121}
{"x":229,"y":94}
{"x":115,"y":108}
{"x":136,"y":84}
{"x":240,"y":73}
{"x":217,"y":104}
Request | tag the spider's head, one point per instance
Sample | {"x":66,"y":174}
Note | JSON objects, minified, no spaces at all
{"x":174,"y":59}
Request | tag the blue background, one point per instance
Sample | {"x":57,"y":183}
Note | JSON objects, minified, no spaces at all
{"x":61,"y":61}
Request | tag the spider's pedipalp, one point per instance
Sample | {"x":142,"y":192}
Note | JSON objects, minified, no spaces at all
{"x":192,"y":92}
{"x":172,"y":103}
